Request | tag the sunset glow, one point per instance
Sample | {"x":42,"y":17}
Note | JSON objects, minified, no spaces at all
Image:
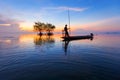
{"x":85,"y":15}
{"x":26,"y":27}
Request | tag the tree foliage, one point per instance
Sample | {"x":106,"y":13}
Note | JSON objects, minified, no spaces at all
{"x":42,"y":27}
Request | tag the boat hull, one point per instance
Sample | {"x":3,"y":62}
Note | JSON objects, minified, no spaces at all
{"x":78,"y":37}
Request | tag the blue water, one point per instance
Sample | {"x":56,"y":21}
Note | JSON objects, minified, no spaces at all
{"x":31,"y":57}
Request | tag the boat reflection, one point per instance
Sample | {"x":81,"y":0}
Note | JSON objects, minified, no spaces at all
{"x":66,"y":43}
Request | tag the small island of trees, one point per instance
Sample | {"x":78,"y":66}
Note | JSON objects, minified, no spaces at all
{"x":41,"y":27}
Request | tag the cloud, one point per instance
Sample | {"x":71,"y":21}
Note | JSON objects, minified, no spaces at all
{"x":8,"y":21}
{"x":103,"y":22}
{"x":9,"y":24}
{"x":9,"y":14}
{"x":5,"y":24}
{"x":63,"y":8}
{"x":110,"y":24}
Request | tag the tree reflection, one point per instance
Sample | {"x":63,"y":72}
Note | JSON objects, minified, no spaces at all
{"x":44,"y":40}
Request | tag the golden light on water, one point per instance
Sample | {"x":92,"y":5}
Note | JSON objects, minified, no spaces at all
{"x":26,"y":38}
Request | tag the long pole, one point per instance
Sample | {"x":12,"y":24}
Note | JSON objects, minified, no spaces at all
{"x":69,"y":20}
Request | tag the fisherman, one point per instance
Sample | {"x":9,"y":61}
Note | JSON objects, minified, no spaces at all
{"x":66,"y":31}
{"x":92,"y":34}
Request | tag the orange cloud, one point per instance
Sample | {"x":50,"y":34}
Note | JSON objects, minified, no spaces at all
{"x":5,"y":24}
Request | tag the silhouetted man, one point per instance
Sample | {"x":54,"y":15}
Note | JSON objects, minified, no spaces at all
{"x":66,"y":31}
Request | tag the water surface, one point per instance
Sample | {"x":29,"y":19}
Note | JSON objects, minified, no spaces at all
{"x":33,"y":57}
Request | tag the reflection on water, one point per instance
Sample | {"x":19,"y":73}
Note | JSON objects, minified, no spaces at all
{"x":65,"y":46}
{"x":43,"y":40}
{"x":22,"y":58}
{"x":66,"y":43}
{"x":44,"y":43}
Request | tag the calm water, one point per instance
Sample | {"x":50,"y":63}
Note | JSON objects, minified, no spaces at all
{"x":31,"y":57}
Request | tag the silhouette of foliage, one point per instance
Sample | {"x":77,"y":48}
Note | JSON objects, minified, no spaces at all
{"x":40,"y":27}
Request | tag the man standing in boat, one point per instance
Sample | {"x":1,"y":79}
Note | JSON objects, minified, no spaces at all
{"x":66,"y":31}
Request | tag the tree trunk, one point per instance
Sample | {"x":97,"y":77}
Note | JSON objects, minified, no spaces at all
{"x":50,"y":33}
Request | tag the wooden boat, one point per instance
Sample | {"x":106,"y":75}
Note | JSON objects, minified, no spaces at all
{"x":78,"y":37}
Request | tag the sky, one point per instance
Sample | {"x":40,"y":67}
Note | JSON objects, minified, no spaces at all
{"x":85,"y":15}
